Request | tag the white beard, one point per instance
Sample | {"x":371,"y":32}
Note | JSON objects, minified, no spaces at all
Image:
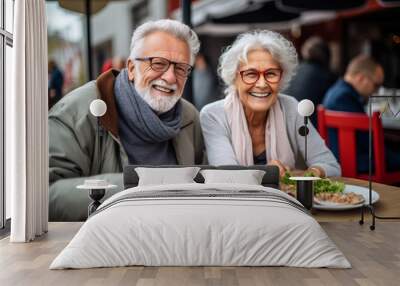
{"x":159,"y":103}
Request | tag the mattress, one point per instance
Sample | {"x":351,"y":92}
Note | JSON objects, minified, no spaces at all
{"x":201,"y":225}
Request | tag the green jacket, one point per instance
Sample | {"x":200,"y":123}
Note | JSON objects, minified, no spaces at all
{"x":74,"y":147}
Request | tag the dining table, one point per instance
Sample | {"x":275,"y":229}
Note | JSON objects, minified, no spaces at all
{"x":388,"y":204}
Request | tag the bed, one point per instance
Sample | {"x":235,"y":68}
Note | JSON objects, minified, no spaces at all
{"x":201,"y":224}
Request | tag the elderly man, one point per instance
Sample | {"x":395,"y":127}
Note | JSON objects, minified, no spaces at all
{"x":363,"y":77}
{"x":146,"y":121}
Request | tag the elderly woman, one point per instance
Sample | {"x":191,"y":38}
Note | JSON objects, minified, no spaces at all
{"x":255,"y":124}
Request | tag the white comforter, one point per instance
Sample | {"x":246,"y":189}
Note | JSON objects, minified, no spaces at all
{"x":190,"y":230}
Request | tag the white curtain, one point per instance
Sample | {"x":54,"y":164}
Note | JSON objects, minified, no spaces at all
{"x":26,"y":123}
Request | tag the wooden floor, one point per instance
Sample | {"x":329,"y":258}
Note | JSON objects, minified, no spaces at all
{"x":374,"y":255}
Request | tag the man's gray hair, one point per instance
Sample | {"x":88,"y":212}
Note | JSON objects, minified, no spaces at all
{"x":175,"y":28}
{"x":280,"y":48}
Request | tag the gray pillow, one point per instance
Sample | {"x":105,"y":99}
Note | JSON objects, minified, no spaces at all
{"x":165,"y":176}
{"x":248,"y":177}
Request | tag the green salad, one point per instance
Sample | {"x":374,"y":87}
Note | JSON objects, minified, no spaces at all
{"x":320,"y":186}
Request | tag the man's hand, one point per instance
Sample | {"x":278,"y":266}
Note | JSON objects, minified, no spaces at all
{"x":279,"y":164}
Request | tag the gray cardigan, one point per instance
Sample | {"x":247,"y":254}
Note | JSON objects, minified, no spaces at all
{"x":217,"y":136}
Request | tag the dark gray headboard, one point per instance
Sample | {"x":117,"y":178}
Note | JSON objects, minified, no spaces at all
{"x":270,"y":179}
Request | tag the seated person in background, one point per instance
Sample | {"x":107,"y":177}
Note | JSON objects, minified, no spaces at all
{"x":363,"y":77}
{"x":56,"y":82}
{"x":146,"y":121}
{"x":313,"y":77}
{"x":255,"y":123}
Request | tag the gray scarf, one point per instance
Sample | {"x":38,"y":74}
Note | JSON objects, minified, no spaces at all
{"x":145,"y":135}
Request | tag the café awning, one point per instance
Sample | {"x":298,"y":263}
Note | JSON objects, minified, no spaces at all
{"x":297,"y":6}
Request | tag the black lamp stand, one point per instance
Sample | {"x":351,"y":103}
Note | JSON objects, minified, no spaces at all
{"x":370,"y":207}
{"x":303,"y":131}
{"x":96,"y":194}
{"x":305,"y":192}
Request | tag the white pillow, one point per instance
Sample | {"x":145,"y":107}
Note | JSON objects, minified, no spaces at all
{"x":165,"y":176}
{"x":248,"y":177}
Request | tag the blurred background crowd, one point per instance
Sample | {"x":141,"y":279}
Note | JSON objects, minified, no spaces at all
{"x":86,"y":38}
{"x":327,"y":36}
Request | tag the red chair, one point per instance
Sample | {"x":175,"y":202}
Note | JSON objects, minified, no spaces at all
{"x":347,"y":123}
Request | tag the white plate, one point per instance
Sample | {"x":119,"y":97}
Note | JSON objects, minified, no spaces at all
{"x":348,"y":189}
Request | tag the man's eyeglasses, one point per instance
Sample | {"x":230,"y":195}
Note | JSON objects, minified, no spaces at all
{"x":251,"y":76}
{"x":160,"y":64}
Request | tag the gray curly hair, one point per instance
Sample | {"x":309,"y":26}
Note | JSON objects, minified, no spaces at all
{"x":280,"y":48}
{"x":173,"y":27}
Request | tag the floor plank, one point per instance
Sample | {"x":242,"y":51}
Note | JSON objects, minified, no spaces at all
{"x":374,"y":255}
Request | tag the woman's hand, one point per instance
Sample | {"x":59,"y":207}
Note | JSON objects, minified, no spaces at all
{"x":317,"y":171}
{"x":279,"y":164}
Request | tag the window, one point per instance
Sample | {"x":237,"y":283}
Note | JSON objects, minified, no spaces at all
{"x":6,"y":43}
